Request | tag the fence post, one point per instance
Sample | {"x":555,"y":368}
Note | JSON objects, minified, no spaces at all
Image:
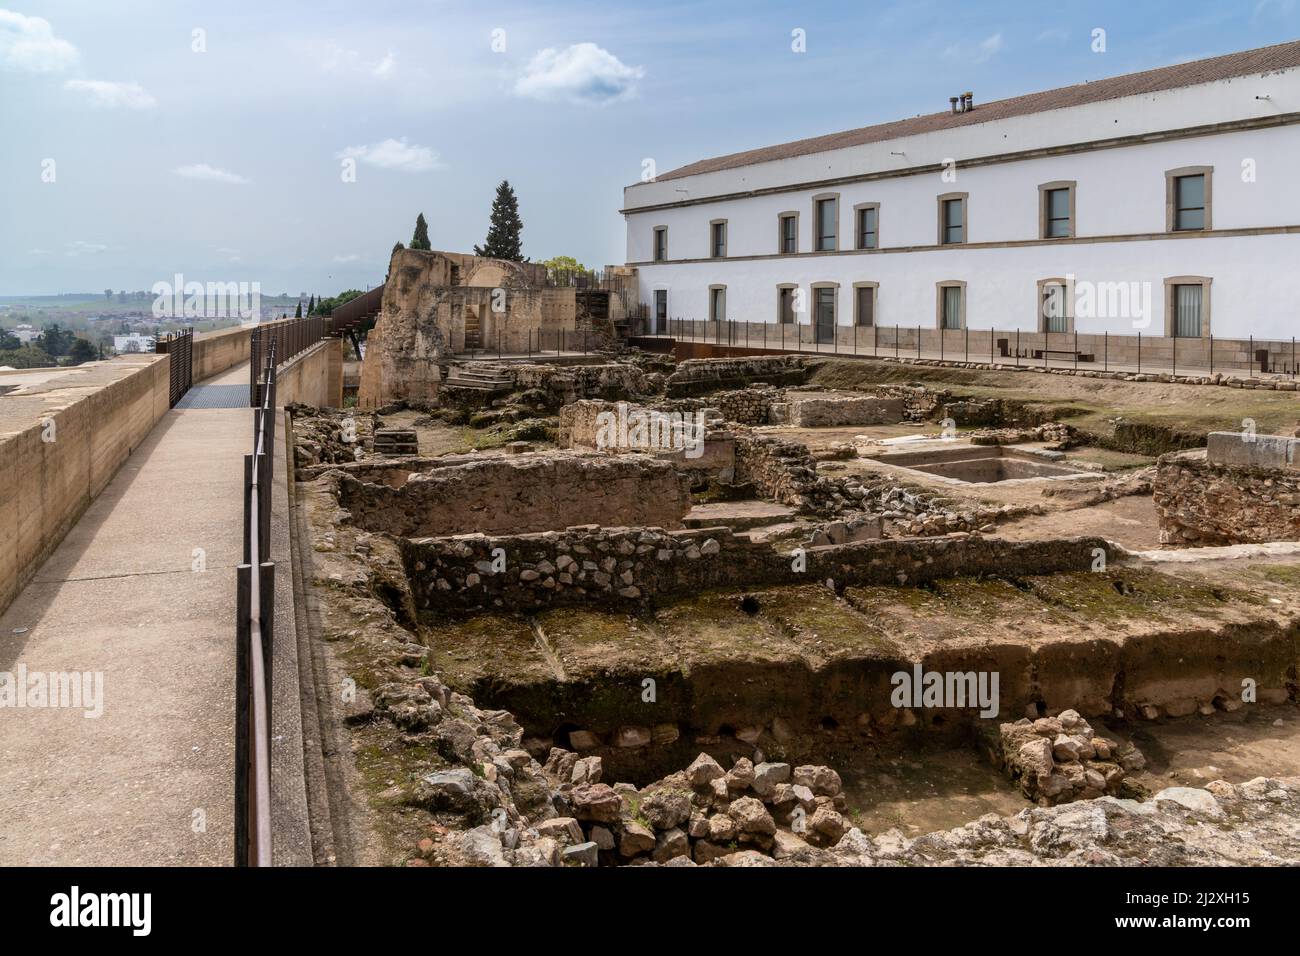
{"x":1174,"y":371}
{"x":1105,"y":351}
{"x":1250,"y":356}
{"x":1139,"y":353}
{"x":1017,"y":348}
{"x":1212,"y":352}
{"x":918,"y":340}
{"x":243,"y":749}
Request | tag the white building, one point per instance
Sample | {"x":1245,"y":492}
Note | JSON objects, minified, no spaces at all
{"x":1165,"y":202}
{"x":135,"y":342}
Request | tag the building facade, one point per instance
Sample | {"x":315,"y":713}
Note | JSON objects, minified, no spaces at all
{"x":1164,"y":202}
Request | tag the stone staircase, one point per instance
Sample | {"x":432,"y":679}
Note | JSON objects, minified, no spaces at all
{"x":488,"y":379}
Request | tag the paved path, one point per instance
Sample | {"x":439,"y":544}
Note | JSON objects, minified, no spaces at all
{"x":150,"y":781}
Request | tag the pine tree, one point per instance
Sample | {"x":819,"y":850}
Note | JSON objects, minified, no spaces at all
{"x":297,"y":313}
{"x":421,"y":238}
{"x":311,"y":305}
{"x":503,"y":240}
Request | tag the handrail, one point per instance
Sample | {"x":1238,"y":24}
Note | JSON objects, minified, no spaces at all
{"x":254,"y":635}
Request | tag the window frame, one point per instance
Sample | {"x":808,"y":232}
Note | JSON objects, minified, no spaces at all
{"x":1171,"y":197}
{"x":942,"y":204}
{"x":783,"y":287}
{"x":834,"y":289}
{"x":1171,"y":305}
{"x":714,"y":225}
{"x":817,"y":200}
{"x":938,"y":303}
{"x":781,"y":217}
{"x":1044,"y":208}
{"x":654,"y":248}
{"x":857,"y":303}
{"x":858,"y":212}
{"x":1068,"y":304}
{"x":713,"y":302}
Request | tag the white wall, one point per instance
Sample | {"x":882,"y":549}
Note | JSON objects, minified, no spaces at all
{"x":1254,"y":279}
{"x":1120,"y":191}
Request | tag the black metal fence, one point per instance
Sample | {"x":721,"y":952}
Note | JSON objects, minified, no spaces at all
{"x":560,"y":341}
{"x":180,"y":346}
{"x":255,"y":631}
{"x":284,"y":339}
{"x":1101,"y":351}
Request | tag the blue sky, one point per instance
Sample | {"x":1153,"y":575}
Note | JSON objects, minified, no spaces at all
{"x":227,"y":163}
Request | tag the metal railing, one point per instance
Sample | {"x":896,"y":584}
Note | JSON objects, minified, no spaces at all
{"x":284,"y":339}
{"x":255,"y":633}
{"x":180,"y":346}
{"x":1097,"y":351}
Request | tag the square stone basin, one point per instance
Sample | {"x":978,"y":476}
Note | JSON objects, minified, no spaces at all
{"x":982,"y":464}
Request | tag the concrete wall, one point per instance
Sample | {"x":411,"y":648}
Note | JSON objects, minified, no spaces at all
{"x":215,"y":352}
{"x":314,"y":377}
{"x":51,"y":469}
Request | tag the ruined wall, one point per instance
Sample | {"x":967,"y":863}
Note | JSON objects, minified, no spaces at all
{"x":818,"y":411}
{"x":621,"y":565}
{"x":697,"y":376}
{"x":1205,"y":503}
{"x":406,"y":344}
{"x":522,"y":493}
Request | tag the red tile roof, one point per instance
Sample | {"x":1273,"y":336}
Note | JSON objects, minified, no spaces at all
{"x":1245,"y":63}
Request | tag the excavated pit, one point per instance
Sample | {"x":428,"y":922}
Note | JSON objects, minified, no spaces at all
{"x":982,"y":464}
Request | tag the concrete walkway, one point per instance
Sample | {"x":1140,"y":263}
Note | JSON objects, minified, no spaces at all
{"x":141,"y":592}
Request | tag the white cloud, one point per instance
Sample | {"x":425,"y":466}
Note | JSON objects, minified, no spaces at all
{"x":984,"y":51}
{"x":80,"y":247}
{"x":1052,"y":33}
{"x":350,"y":257}
{"x":111,"y":95}
{"x":394,"y":154}
{"x":385,"y":67}
{"x":582,"y":73}
{"x":211,"y":174}
{"x":28,"y":45}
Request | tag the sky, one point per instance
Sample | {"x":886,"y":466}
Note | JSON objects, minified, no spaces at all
{"x":293,"y":143}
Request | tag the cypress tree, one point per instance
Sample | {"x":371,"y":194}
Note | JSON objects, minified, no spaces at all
{"x":503,"y":240}
{"x":297,"y":313}
{"x":420,"y":240}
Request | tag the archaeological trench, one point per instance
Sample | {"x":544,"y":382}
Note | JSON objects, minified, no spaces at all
{"x":861,"y":613}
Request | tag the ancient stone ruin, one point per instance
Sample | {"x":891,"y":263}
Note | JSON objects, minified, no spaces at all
{"x":773,"y":610}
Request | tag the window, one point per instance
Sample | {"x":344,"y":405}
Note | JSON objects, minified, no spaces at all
{"x":1054,"y":306}
{"x":1189,"y":202}
{"x":661,"y":311}
{"x":952,"y":219}
{"x":1187,"y":309}
{"x":825,"y":229}
{"x":864,"y":307}
{"x":785,"y":304}
{"x":1187,"y":198}
{"x":951,"y":305}
{"x":661,"y":243}
{"x":718,"y":238}
{"x":1056,"y":210}
{"x":824,"y":313}
{"x":868,"y":215}
{"x":788,"y":232}
{"x":717,"y":303}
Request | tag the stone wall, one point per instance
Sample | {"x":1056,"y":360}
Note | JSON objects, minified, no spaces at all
{"x":813,"y":410}
{"x":1205,"y":503}
{"x":698,"y":376}
{"x":565,"y":384}
{"x":586,"y":565}
{"x":522,"y":493}
{"x":60,"y":444}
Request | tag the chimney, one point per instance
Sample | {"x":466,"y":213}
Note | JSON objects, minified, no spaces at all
{"x":952,"y":102}
{"x":968,"y":101}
